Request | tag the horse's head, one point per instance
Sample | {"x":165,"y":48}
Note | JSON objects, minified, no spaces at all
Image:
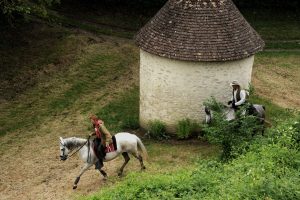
{"x":63,"y":149}
{"x":207,"y":115}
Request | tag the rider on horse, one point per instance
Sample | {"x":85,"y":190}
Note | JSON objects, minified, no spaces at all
{"x":238,"y":95}
{"x":239,"y":98}
{"x":103,"y":139}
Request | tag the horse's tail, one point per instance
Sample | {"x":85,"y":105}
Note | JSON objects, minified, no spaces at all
{"x":142,"y":147}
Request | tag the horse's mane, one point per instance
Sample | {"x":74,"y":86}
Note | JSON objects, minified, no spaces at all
{"x":73,"y":142}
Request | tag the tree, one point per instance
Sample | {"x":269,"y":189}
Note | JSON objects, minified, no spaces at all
{"x":10,"y":10}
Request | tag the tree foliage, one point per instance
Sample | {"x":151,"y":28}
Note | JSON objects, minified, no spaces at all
{"x":13,"y":9}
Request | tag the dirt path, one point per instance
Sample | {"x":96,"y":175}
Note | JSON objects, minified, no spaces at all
{"x":31,"y":169}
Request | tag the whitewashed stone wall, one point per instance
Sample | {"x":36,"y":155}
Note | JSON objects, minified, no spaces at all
{"x":172,"y":90}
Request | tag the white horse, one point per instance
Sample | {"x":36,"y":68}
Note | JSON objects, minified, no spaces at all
{"x":229,"y":113}
{"x":126,"y":143}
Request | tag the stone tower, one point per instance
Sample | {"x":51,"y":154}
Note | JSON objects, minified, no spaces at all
{"x":189,"y":51}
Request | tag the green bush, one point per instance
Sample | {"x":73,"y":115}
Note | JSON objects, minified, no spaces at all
{"x":233,"y":136}
{"x":12,"y":9}
{"x":157,"y":130}
{"x":185,"y":128}
{"x":296,"y":136}
{"x":213,"y":105}
{"x":286,"y":134}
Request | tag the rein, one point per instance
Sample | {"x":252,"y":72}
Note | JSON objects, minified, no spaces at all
{"x":88,"y":141}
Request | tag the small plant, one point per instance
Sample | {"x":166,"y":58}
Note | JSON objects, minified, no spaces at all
{"x":157,"y":130}
{"x":185,"y":128}
{"x":213,"y":105}
{"x":251,"y":90}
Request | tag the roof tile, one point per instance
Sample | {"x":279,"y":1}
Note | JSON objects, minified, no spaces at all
{"x":199,"y":30}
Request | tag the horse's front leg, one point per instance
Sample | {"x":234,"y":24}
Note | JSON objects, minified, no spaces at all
{"x":104,"y":174}
{"x":85,"y":167}
{"x":99,"y":165}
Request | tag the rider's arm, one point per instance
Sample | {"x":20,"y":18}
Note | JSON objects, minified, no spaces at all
{"x":92,"y":134}
{"x":107,"y":134}
{"x":243,"y":98}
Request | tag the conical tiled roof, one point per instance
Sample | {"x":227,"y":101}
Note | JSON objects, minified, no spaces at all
{"x":199,"y":30}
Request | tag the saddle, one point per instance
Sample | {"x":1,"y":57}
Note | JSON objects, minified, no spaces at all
{"x":104,"y":150}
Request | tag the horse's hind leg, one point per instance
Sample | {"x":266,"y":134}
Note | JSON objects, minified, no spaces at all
{"x":140,"y":158}
{"x":85,"y":167}
{"x":126,"y":157}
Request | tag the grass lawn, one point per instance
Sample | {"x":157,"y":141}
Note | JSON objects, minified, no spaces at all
{"x":280,"y":29}
{"x":276,"y":77}
{"x":75,"y":66}
{"x":274,"y":25}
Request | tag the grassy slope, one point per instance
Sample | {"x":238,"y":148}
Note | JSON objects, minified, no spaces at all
{"x":275,"y":77}
{"x":77,"y":70}
{"x":280,"y":29}
{"x":54,"y":93}
{"x":274,"y":26}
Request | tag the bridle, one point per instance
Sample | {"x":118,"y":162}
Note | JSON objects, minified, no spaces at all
{"x":63,"y":150}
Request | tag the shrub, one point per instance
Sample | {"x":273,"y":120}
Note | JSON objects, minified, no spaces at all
{"x":185,"y":128}
{"x":233,"y":136}
{"x":157,"y":130}
{"x":296,"y":136}
{"x":12,"y":9}
{"x":251,"y":89}
{"x":286,"y":134}
{"x":213,"y":105}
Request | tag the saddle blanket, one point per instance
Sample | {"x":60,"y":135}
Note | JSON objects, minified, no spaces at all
{"x":112,"y":148}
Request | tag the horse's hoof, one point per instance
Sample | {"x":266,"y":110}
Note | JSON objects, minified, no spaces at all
{"x":120,"y":174}
{"x":143,"y":168}
{"x":105,"y":178}
{"x":74,"y":187}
